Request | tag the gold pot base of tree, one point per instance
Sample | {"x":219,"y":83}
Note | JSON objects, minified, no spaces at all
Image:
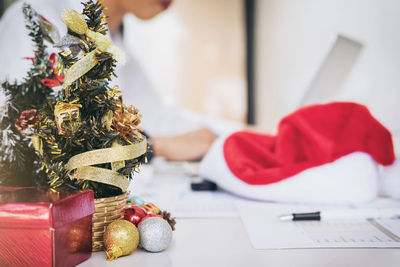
{"x":107,"y":210}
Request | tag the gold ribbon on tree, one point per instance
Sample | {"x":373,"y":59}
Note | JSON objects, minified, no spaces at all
{"x":76,"y":23}
{"x":81,"y":164}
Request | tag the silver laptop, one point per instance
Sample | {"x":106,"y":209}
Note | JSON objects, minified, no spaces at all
{"x":333,"y":72}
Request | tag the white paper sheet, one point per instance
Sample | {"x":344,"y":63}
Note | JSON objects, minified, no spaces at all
{"x":266,"y":231}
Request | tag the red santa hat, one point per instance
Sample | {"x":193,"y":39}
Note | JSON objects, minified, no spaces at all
{"x":321,"y":154}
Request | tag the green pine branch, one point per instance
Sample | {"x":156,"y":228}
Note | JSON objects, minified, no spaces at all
{"x":18,"y":160}
{"x":92,"y":92}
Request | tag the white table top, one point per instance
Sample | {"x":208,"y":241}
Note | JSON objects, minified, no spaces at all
{"x":224,"y":242}
{"x":212,"y":241}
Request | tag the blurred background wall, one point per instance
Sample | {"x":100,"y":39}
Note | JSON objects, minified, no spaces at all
{"x":195,"y":55}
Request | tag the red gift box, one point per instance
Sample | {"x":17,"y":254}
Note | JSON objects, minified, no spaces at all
{"x":45,"y":227}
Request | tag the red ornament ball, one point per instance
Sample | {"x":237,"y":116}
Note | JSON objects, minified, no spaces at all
{"x":134,"y":214}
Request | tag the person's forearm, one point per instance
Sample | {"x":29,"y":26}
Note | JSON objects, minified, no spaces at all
{"x":185,"y":147}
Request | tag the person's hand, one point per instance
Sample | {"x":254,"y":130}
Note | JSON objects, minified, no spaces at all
{"x":185,"y":147}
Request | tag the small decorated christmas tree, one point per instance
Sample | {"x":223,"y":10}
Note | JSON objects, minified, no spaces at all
{"x":81,"y":137}
{"x":18,"y":160}
{"x":89,"y":139}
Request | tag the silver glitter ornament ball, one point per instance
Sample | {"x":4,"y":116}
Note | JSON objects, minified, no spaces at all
{"x":155,"y":234}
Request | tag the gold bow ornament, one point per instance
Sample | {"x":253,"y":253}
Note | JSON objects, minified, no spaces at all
{"x":76,"y":23}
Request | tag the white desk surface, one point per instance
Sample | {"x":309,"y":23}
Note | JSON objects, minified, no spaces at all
{"x":224,"y":242}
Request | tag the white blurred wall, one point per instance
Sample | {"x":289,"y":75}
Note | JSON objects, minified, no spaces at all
{"x":293,"y":37}
{"x":194,"y":55}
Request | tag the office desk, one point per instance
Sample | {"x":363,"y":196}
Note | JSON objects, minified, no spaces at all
{"x":224,"y":242}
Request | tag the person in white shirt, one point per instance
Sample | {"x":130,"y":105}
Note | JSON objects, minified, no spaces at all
{"x":173,"y":136}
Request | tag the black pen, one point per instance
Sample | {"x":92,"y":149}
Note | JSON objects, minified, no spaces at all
{"x":342,"y":214}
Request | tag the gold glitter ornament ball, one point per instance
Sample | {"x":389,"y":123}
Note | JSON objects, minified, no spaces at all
{"x":120,"y":238}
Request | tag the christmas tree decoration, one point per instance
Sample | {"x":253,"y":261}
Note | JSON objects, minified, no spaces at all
{"x":120,"y":238}
{"x":151,"y":208}
{"x":77,"y":24}
{"x":107,"y":120}
{"x":37,"y":144}
{"x":67,"y":113}
{"x":71,"y":42}
{"x":19,"y":163}
{"x":50,"y":32}
{"x":155,"y":234}
{"x":126,"y":121}
{"x":79,"y":144}
{"x":150,"y":215}
{"x":81,"y":138}
{"x":107,"y":210}
{"x":137,"y":214}
{"x":171,"y":221}
{"x":26,"y":119}
{"x":153,"y":211}
{"x":117,"y":165}
{"x":135,"y":200}
{"x":58,"y":76}
{"x":88,"y":138}
{"x":134,"y":214}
